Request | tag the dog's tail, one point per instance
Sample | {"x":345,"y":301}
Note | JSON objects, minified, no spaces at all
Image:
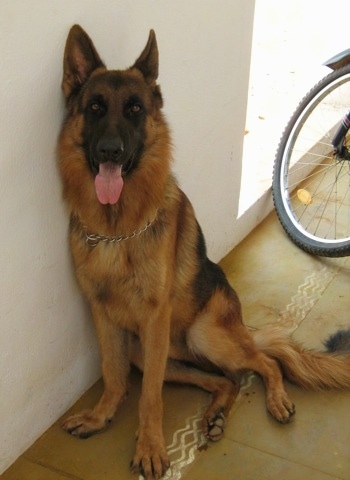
{"x":309,"y":369}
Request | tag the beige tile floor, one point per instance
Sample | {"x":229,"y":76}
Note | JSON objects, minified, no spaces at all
{"x":277,"y":283}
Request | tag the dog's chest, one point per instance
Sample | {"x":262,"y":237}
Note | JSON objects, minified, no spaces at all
{"x":121,"y":279}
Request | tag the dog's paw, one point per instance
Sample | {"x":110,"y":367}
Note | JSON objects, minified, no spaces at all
{"x":281,"y":408}
{"x":151,"y":459}
{"x":214,"y":426}
{"x":84,"y":424}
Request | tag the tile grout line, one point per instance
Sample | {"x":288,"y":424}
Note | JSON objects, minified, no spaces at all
{"x":53,"y":469}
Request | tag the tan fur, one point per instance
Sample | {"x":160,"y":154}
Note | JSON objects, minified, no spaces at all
{"x":156,"y":300}
{"x":308,"y":369}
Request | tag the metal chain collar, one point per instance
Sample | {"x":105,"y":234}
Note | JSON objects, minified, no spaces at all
{"x":93,"y":239}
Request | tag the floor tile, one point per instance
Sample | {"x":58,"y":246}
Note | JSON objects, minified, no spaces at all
{"x":266,"y":269}
{"x":100,"y":456}
{"x":26,"y":470}
{"x":330,"y":313}
{"x":230,"y":460}
{"x":107,"y":455}
{"x":317,"y":438}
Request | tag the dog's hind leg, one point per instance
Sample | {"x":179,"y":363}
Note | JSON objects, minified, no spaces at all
{"x":224,"y":391}
{"x":115,"y":368}
{"x":233,"y":349}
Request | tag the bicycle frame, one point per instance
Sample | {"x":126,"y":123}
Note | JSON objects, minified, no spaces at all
{"x":339,"y":60}
{"x":334,"y":63}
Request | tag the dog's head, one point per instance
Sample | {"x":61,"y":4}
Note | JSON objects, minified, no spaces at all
{"x":117,"y":110}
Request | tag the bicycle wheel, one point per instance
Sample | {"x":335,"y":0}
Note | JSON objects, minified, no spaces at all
{"x":311,"y":185}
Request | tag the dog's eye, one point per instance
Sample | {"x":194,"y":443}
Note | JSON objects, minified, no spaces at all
{"x":135,"y":108}
{"x":95,"y":107}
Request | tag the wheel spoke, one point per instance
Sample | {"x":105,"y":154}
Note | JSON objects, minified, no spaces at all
{"x":306,"y":170}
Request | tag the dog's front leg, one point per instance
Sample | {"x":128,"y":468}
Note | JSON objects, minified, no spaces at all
{"x":113,"y":343}
{"x":151,"y":457}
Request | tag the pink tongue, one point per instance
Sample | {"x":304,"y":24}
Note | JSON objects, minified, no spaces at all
{"x":109,"y":183}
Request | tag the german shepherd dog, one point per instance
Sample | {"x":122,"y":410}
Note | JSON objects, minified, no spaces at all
{"x":157,"y":301}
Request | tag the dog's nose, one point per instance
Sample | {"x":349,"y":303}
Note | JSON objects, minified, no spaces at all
{"x":110,"y":149}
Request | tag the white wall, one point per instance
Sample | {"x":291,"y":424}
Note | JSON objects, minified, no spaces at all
{"x":290,"y":44}
{"x":48,"y":353}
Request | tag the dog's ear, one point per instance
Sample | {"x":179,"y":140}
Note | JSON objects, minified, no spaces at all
{"x":80,"y":60}
{"x":147,"y":62}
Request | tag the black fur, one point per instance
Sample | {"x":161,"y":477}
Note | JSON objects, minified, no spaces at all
{"x":121,"y":121}
{"x":210,"y":276}
{"x":339,"y":342}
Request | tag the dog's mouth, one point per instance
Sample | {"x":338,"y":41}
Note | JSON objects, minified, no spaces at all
{"x":109,"y":180}
{"x":109,"y":183}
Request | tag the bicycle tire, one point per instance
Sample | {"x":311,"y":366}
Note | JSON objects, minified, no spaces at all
{"x":310,"y":184}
